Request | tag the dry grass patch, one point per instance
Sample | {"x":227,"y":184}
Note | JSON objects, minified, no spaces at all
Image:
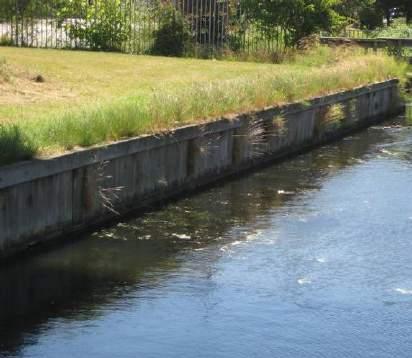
{"x":5,"y":74}
{"x":19,"y":87}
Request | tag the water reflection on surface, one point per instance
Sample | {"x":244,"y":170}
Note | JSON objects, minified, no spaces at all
{"x":308,"y":258}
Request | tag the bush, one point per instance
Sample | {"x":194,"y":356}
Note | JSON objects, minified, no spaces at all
{"x":396,"y":30}
{"x":5,"y":40}
{"x":173,"y":36}
{"x":371,"y":18}
{"x":102,"y":24}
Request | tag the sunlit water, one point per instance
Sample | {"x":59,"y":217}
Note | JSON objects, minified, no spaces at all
{"x":308,"y":258}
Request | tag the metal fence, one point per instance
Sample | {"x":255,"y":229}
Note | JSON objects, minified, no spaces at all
{"x":214,"y":25}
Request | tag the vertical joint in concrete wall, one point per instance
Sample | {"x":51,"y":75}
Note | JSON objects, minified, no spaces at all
{"x":240,"y":144}
{"x":192,"y":154}
{"x":85,"y":199}
{"x":395,"y":100}
{"x":209,"y":154}
{"x":252,"y":139}
{"x":277,"y":130}
{"x":351,"y":109}
{"x":319,"y":127}
{"x":329,"y":119}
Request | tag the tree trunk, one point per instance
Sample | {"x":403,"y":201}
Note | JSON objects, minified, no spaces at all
{"x":388,"y":17}
{"x":408,"y":12}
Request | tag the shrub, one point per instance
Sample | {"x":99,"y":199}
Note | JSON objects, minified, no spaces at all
{"x":172,"y":37}
{"x":5,"y":40}
{"x":397,"y":30}
{"x":102,"y":24}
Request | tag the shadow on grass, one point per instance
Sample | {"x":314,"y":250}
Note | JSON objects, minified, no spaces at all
{"x":14,"y":145}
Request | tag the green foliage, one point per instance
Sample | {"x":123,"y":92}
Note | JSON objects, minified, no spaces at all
{"x":371,"y":17}
{"x":351,"y":9}
{"x":5,"y":40}
{"x":99,"y":24}
{"x":29,"y":8}
{"x":14,"y":145}
{"x":172,"y":37}
{"x":369,"y":14}
{"x":295,"y":19}
{"x":396,"y":30}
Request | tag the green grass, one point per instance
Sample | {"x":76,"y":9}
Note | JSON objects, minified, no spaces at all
{"x":90,"y":98}
{"x":398,"y":29}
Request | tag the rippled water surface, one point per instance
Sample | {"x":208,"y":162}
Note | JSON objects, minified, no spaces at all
{"x":308,"y":258}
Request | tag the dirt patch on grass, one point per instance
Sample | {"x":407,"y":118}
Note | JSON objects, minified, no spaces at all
{"x":21,"y":87}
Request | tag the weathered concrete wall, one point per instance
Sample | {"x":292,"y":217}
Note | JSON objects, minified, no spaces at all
{"x":44,"y":199}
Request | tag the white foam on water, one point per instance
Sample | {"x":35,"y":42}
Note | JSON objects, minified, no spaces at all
{"x":182,"y":236}
{"x":304,"y":281}
{"x":321,"y":260}
{"x":284,"y":192}
{"x":403,"y":291}
{"x":109,"y":235}
{"x":224,"y":248}
{"x":384,"y":151}
{"x":253,"y":236}
{"x":145,"y":237}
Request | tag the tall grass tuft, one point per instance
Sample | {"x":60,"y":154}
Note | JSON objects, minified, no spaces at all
{"x":14,"y":145}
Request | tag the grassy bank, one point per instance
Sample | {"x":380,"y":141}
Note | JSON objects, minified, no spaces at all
{"x":52,"y":101}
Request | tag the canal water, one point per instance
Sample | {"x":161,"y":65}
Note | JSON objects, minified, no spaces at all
{"x":308,"y":258}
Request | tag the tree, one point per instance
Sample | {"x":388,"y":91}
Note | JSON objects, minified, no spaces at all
{"x":407,"y":9}
{"x":352,"y":9}
{"x":393,"y":8}
{"x":370,"y":13}
{"x":296,"y":19}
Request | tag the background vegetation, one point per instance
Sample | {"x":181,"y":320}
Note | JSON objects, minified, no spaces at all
{"x":188,"y":27}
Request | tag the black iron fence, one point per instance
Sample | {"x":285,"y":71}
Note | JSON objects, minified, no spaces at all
{"x":133,"y":26}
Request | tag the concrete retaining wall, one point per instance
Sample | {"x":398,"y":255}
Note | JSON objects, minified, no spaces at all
{"x":44,"y":199}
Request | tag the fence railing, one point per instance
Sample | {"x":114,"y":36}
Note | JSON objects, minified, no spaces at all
{"x":397,"y":47}
{"x":130,"y":25}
